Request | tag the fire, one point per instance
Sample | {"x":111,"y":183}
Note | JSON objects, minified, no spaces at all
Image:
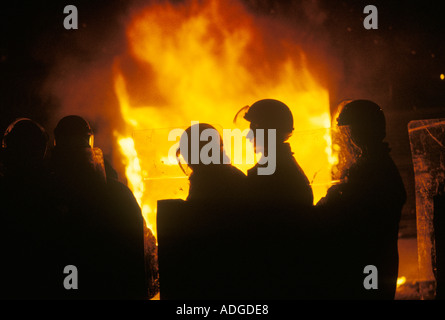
{"x":400,"y":281}
{"x":203,"y":61}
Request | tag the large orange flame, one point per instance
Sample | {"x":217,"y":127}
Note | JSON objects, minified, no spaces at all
{"x":203,"y":61}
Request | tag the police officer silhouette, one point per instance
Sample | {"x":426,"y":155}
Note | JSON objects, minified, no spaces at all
{"x":288,"y":183}
{"x":24,"y":218}
{"x":210,"y":181}
{"x":367,"y":203}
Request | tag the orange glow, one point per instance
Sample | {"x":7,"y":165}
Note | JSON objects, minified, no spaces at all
{"x":205,"y":60}
{"x":401,"y":281}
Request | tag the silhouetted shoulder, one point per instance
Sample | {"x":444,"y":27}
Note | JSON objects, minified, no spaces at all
{"x":122,"y":202}
{"x":215,"y":182}
{"x":117,"y":188}
{"x":376,"y":181}
{"x":126,"y":225}
{"x":288,"y":184}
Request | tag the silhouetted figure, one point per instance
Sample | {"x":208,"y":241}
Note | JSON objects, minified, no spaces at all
{"x":280,"y":200}
{"x":126,"y":249}
{"x":203,"y":259}
{"x":101,"y":229}
{"x":78,"y":184}
{"x":213,"y":181}
{"x":364,"y":209}
{"x":24,"y":217}
{"x":288,"y":183}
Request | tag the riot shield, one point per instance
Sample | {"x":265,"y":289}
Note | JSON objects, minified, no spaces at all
{"x":427,"y":139}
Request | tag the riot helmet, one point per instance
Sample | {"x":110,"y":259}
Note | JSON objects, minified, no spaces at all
{"x":24,"y":143}
{"x":366,"y":122}
{"x":73,"y":131}
{"x":270,"y":114}
{"x":192,"y":143}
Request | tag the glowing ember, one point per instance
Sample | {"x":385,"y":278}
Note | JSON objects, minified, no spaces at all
{"x":203,"y":61}
{"x":400,"y":281}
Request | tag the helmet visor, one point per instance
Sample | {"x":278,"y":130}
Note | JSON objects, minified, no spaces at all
{"x":348,"y":151}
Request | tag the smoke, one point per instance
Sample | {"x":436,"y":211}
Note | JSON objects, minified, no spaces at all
{"x":80,"y":76}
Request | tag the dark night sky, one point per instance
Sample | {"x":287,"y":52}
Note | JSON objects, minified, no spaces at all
{"x":407,"y":50}
{"x":398,"y":65}
{"x":32,"y":37}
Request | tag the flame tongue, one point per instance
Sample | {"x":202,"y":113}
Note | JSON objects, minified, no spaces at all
{"x":203,"y":61}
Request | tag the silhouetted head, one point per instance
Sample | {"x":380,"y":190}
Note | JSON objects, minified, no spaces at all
{"x":197,"y":137}
{"x":271,"y":114}
{"x":73,"y":131}
{"x":366,"y":122}
{"x":24,"y":144}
